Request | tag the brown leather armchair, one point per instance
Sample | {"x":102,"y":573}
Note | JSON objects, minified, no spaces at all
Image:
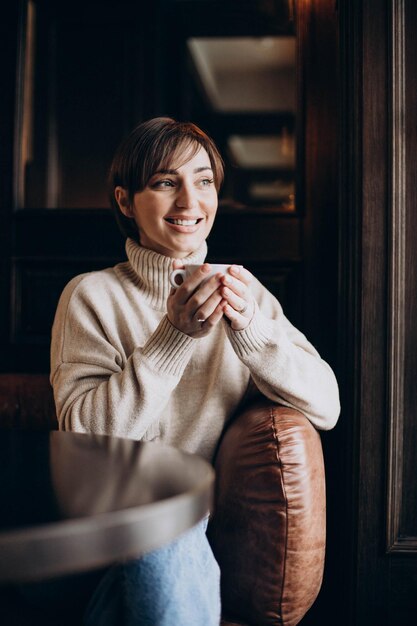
{"x":268,"y":526}
{"x":268,"y":529}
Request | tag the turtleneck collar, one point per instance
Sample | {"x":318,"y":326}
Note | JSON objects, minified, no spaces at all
{"x":151,"y":270}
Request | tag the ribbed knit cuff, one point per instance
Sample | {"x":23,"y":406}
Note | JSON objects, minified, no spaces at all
{"x":169,"y":350}
{"x":254,"y":337}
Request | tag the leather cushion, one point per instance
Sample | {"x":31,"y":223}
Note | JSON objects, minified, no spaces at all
{"x":268,"y":526}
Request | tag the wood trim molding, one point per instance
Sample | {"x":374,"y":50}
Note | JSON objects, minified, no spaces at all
{"x":397,"y":286}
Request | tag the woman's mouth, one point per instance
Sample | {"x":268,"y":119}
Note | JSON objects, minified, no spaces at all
{"x":183,"y":222}
{"x":182,"y":225}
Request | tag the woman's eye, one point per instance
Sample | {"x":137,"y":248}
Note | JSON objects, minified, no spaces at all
{"x":163,"y":183}
{"x":207,"y":181}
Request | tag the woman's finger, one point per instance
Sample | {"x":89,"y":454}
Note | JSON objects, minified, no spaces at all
{"x":197,"y":283}
{"x":238,"y":279}
{"x":234,"y":290}
{"x":189,"y":312}
{"x":203,"y":293}
{"x":214,"y":317}
{"x":238,"y":320}
{"x":241,"y":273}
{"x":239,"y":303}
{"x":203,"y":312}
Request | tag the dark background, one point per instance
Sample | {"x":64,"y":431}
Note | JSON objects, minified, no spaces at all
{"x":343,"y":264}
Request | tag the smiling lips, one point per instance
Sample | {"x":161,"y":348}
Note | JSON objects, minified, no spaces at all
{"x":182,"y":222}
{"x":183,"y":225}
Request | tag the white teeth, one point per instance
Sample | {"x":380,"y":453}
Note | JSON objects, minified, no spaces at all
{"x":184,"y":222}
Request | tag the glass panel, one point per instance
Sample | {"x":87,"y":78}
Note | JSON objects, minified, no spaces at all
{"x":248,"y":87}
{"x":73,"y":76}
{"x":84,"y":81}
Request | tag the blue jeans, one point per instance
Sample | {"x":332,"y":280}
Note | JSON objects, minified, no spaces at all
{"x":176,"y":585}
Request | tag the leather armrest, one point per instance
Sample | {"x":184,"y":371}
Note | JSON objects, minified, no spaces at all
{"x":268,"y":528}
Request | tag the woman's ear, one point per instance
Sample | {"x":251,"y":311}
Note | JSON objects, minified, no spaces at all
{"x":122,"y":199}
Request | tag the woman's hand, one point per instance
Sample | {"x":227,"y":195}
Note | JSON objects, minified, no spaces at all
{"x":195,"y":308}
{"x":239,"y":305}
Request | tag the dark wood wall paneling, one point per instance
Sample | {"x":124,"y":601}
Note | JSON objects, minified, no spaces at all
{"x":402,"y":371}
{"x":319,"y":167}
{"x":8,"y":45}
{"x":378,"y":298}
{"x":350,"y":294}
{"x":317,"y":29}
{"x":50,"y":248}
{"x":41,"y":269}
{"x":408,"y":522}
{"x":372,"y":589}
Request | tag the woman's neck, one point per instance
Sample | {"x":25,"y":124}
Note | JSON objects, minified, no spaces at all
{"x":152,"y":270}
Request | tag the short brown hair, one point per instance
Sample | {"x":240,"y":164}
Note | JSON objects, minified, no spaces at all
{"x":152,"y":146}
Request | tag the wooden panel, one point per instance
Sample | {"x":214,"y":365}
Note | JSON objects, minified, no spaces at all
{"x":269,"y":245}
{"x":402,"y":602}
{"x":66,"y":233}
{"x":408,"y":525}
{"x":373,"y":589}
{"x":284,"y":281}
{"x":379,"y":307}
{"x":317,"y":166}
{"x":50,"y":247}
{"x":37,"y":285}
{"x":360,"y":598}
{"x":248,"y":235}
{"x":236,"y":235}
{"x":26,"y":402}
{"x":397,"y":281}
{"x":8,"y":48}
{"x":402,"y":495}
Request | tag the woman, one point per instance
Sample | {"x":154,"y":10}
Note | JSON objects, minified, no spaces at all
{"x":133,"y":357}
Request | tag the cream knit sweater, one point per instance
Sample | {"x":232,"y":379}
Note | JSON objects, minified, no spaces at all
{"x":119,"y":367}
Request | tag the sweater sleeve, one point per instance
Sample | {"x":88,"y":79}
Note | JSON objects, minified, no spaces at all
{"x":97,"y":387}
{"x":285,"y":366}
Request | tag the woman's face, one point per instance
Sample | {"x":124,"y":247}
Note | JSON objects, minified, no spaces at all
{"x":176,"y":210}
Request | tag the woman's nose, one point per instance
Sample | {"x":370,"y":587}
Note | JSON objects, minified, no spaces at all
{"x":186,"y":197}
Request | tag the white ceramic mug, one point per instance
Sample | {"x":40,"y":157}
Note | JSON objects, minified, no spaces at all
{"x":216,"y":268}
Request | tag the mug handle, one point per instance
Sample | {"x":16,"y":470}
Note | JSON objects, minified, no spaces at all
{"x":174,"y":274}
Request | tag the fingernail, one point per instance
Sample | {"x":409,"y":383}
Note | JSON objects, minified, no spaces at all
{"x":205,"y":268}
{"x":227,"y":279}
{"x":236,"y":269}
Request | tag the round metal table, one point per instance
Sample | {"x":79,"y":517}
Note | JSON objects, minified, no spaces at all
{"x":72,"y":502}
